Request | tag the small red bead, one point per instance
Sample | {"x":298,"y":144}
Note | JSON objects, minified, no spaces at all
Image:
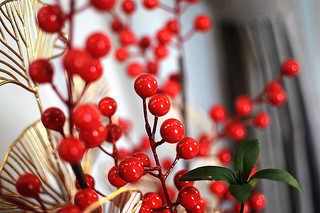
{"x":164,"y":36}
{"x":243,"y":105}
{"x":151,"y":4}
{"x":204,"y":139}
{"x":69,"y":209}
{"x":218,"y":113}
{"x":152,"y":199}
{"x":166,"y":163}
{"x":90,"y":182}
{"x":199,"y":208}
{"x":276,"y":97}
{"x":76,"y":61}
{"x":225,"y":156}
{"x":161,"y":52}
{"x":172,"y":88}
{"x":114,"y":178}
{"x":257,"y":201}
{"x":127,"y":37}
{"x":181,"y":184}
{"x":53,"y":118}
{"x":145,"y":85}
{"x":290,"y":68}
{"x":173,"y":26}
{"x":98,"y":45}
{"x":273,"y":85}
{"x":159,"y":105}
{"x":125,"y":125}
{"x":202,"y":23}
{"x":143,"y":158}
{"x":189,"y":197}
{"x":94,"y":71}
{"x":94,"y":136}
{"x":50,"y":18}
{"x":152,"y":67}
{"x":261,"y":120}
{"x":28,"y":185}
{"x":85,"y":116}
{"x":237,"y":131}
{"x":135,"y":69}
{"x":121,"y":54}
{"x":218,"y":188}
{"x":107,"y":106}
{"x":71,"y":150}
{"x":145,"y":143}
{"x":172,"y":130}
{"x":114,"y":133}
{"x":128,"y":6}
{"x":187,"y":148}
{"x":85,"y":197}
{"x":130,"y":169}
{"x":41,"y":71}
{"x":116,"y":25}
{"x":103,"y":5}
{"x":145,"y":42}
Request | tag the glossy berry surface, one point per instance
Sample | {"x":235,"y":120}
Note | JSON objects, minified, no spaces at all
{"x":146,"y":85}
{"x":53,"y":118}
{"x":107,"y":106}
{"x":114,"y":132}
{"x":199,"y":208}
{"x":128,"y":6}
{"x":50,"y":18}
{"x":164,"y":36}
{"x":153,"y":67}
{"x":76,"y":61}
{"x":172,"y":130}
{"x":161,"y":52}
{"x":202,"y":23}
{"x":218,"y":113}
{"x":218,"y":188}
{"x":28,"y":185}
{"x":130,"y":169}
{"x":143,"y":158}
{"x":187,"y":148}
{"x":153,"y":200}
{"x":225,"y":156}
{"x":127,"y":37}
{"x":86,"y":116}
{"x":114,"y":178}
{"x":151,"y":4}
{"x":145,"y":209}
{"x":290,"y":68}
{"x":181,"y":184}
{"x":173,"y":26}
{"x":69,"y":209}
{"x":121,"y":54}
{"x":246,"y":208}
{"x":90,"y":182}
{"x":71,"y":150}
{"x":41,"y":71}
{"x":257,"y":201}
{"x":134,"y":69}
{"x":159,"y":105}
{"x":172,"y":88}
{"x":276,"y":97}
{"x":94,"y":71}
{"x":189,"y":197}
{"x":116,"y":25}
{"x":103,"y":5}
{"x":237,"y":131}
{"x":94,"y":136}
{"x":243,"y":105}
{"x":98,"y":45}
{"x":85,"y":197}
{"x":261,"y":120}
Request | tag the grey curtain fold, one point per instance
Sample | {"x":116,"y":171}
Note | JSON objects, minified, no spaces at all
{"x":253,"y":38}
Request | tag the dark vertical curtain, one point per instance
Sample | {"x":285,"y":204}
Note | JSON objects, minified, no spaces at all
{"x":254,"y":37}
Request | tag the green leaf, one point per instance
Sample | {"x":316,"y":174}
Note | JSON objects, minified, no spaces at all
{"x":241,"y":192}
{"x":245,"y":157}
{"x":276,"y":174}
{"x":210,"y":173}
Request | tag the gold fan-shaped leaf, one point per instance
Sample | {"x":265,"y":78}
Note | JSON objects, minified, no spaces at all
{"x":31,"y":153}
{"x":21,"y":41}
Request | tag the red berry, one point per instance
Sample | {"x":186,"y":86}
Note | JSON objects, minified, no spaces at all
{"x":273,"y":85}
{"x":114,"y":178}
{"x":116,"y":25}
{"x":172,"y":130}
{"x":173,"y":26}
{"x":28,"y":185}
{"x":130,"y":169}
{"x":151,"y":4}
{"x":94,"y":71}
{"x":189,"y":197}
{"x":125,"y":125}
{"x":145,"y":142}
{"x":218,"y":188}
{"x":257,"y":201}
{"x":76,"y":61}
{"x":159,"y":105}
{"x":85,"y":197}
{"x":114,"y":132}
{"x":127,"y":37}
{"x":171,"y":88}
{"x":50,"y":18}
{"x":152,"y":199}
{"x":290,"y":68}
{"x":145,"y":209}
{"x":41,"y":71}
{"x":164,"y":36}
{"x":134,"y":69}
{"x":152,"y":67}
{"x":193,"y":1}
{"x":276,"y":97}
{"x":90,"y":182}
{"x":69,"y":209}
{"x":145,"y":42}
{"x":246,"y":209}
{"x":85,"y":116}
{"x":237,"y":131}
{"x":53,"y":118}
{"x":261,"y":120}
{"x":94,"y":136}
{"x":202,"y":23}
{"x":181,"y":184}
{"x":98,"y":45}
{"x":204,"y":139}
{"x":218,"y":113}
{"x":143,"y":158}
{"x":123,"y":153}
{"x":187,"y":148}
{"x":243,"y":105}
{"x":128,"y":6}
{"x":121,"y":54}
{"x":161,"y":52}
{"x":166,"y":163}
{"x":225,"y":156}
{"x":103,"y":5}
{"x":107,"y":106}
{"x":204,"y":150}
{"x":199,"y":208}
{"x":71,"y":150}
{"x":145,"y":85}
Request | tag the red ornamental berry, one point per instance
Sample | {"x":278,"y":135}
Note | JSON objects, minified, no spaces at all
{"x":272,"y":86}
{"x":94,"y":136}
{"x":145,"y":85}
{"x":53,"y":118}
{"x":85,"y":197}
{"x":116,"y":25}
{"x":145,"y":42}
{"x":257,"y":201}
{"x":128,"y":6}
{"x":143,"y":158}
{"x":123,"y":153}
{"x":204,"y":150}
{"x":152,"y":67}
{"x":76,"y":61}
{"x":218,"y":188}
{"x":243,"y":105}
{"x":114,"y":178}
{"x":71,"y":150}
{"x":202,"y":23}
{"x":261,"y":120}
{"x":134,"y":69}
{"x":166,"y":163}
{"x":50,"y":18}
{"x":290,"y":68}
{"x":204,"y":139}
{"x":187,"y":148}
{"x":90,"y":182}
{"x":98,"y":45}
{"x":218,"y":113}
{"x":237,"y":131}
{"x":172,"y":130}
{"x":94,"y":71}
{"x":152,"y":199}
{"x":124,"y":124}
{"x":159,"y":105}
{"x":145,"y":209}
{"x":130,"y":169}
{"x":173,"y":26}
{"x":161,"y":52}
{"x":171,"y":88}
{"x":145,"y":142}
{"x":127,"y":37}
{"x":114,"y":133}
{"x":86,"y":116}
{"x":151,"y":4}
{"x":164,"y":36}
{"x":189,"y":197}
{"x":225,"y":156}
{"x":199,"y":208}
{"x":28,"y":185}
{"x":41,"y":71}
{"x":246,"y":209}
{"x":69,"y":209}
{"x":181,"y":184}
{"x":277,"y":97}
{"x":121,"y":54}
{"x":103,"y":5}
{"x":107,"y":106}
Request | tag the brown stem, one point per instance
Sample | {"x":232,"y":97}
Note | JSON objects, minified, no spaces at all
{"x":171,"y":167}
{"x":55,"y":89}
{"x":155,"y":125}
{"x":166,"y":8}
{"x":105,"y":151}
{"x":43,"y":207}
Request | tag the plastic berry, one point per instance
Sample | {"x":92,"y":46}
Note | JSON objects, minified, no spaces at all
{"x":94,"y":136}
{"x":145,"y":85}
{"x":53,"y":118}
{"x":130,"y":169}
{"x":181,"y":184}
{"x":127,"y":37}
{"x":257,"y":201}
{"x":114,"y":178}
{"x":164,"y":36}
{"x":243,"y":105}
{"x":204,"y":150}
{"x":85,"y":197}
{"x":143,"y":158}
{"x":103,"y":5}
{"x":98,"y":44}
{"x":134,"y":69}
{"x":94,"y":71}
{"x":28,"y":185}
{"x":151,"y":4}
{"x":76,"y":61}
{"x":166,"y":163}
{"x":218,"y":113}
{"x":246,"y":209}
{"x":71,"y":150}
{"x":125,"y":125}
{"x":121,"y":54}
{"x":69,"y":209}
{"x":187,"y":148}
{"x":272,"y":86}
{"x":85,"y":116}
{"x":171,"y":88}
{"x":261,"y":120}
{"x":152,"y":67}
{"x":218,"y":188}
{"x":189,"y":197}
{"x":145,"y":144}
{"x":128,"y":6}
{"x":204,"y":139}
{"x":199,"y":208}
{"x":107,"y":106}
{"x":225,"y":156}
{"x":41,"y":71}
{"x":145,"y":208}
{"x":161,"y":52}
{"x":50,"y":18}
{"x":114,"y":132}
{"x":159,"y":105}
{"x":276,"y":97}
{"x":202,"y":23}
{"x":144,"y":42}
{"x":152,"y":199}
{"x":90,"y":182}
{"x":237,"y":131}
{"x":172,"y":130}
{"x":116,"y":25}
{"x":290,"y":68}
{"x":173,"y":26}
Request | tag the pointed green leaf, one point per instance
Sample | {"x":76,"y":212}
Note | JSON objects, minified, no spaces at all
{"x":245,"y":157}
{"x":278,"y":175}
{"x":241,"y":192}
{"x":210,"y":173}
